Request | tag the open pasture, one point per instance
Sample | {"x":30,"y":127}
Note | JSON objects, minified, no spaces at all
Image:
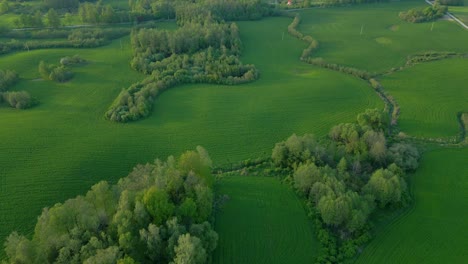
{"x":374,"y":38}
{"x":262,"y":222}
{"x":430,"y":95}
{"x":434,"y":229}
{"x":61,"y":147}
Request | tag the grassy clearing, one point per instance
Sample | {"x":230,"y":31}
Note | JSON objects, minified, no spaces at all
{"x":434,"y":230}
{"x":385,"y":42}
{"x":263,"y":222}
{"x":61,"y":147}
{"x":430,"y":96}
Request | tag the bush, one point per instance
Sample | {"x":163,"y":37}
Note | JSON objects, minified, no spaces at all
{"x":7,"y":78}
{"x":18,"y":100}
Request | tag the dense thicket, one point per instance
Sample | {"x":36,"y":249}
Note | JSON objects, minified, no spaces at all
{"x":185,"y":10}
{"x":346,"y":176}
{"x":422,"y":15}
{"x":198,"y":52}
{"x":159,"y":213}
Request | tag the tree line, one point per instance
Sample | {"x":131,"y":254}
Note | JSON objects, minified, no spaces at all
{"x":430,"y":13}
{"x":159,"y":213}
{"x":16,"y":99}
{"x":345,"y":177}
{"x":197,"y":52}
{"x":228,"y":10}
{"x":75,"y":38}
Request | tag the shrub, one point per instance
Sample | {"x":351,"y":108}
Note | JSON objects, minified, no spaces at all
{"x":19,"y":100}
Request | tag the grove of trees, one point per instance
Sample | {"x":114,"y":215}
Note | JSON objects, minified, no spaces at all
{"x":159,"y":213}
{"x":200,"y":51}
{"x":429,"y":13}
{"x":346,"y":176}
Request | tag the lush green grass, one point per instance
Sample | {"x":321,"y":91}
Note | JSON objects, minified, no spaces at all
{"x":434,"y":230}
{"x":61,"y":147}
{"x":430,"y":96}
{"x":263,"y":222}
{"x":386,"y":41}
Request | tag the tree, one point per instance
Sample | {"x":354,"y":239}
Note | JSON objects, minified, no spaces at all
{"x":52,"y":18}
{"x":386,"y":186}
{"x":158,"y":205}
{"x":189,"y":250}
{"x":305,"y":176}
{"x":4,"y":7}
{"x":405,"y":156}
{"x":374,"y":119}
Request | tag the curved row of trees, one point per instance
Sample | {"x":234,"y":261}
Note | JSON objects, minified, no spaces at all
{"x":159,"y":213}
{"x":198,"y":52}
{"x":346,"y":176}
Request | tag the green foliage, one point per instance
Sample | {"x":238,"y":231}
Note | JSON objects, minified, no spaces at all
{"x":195,"y":53}
{"x":343,"y":195}
{"x":52,"y":18}
{"x":135,"y":217}
{"x":19,"y":100}
{"x":429,"y":13}
{"x":7,"y":79}
{"x":54,"y":73}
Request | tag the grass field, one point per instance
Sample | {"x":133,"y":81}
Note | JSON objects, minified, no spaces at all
{"x":61,"y":147}
{"x":385,"y":42}
{"x":263,"y":222}
{"x":434,"y":229}
{"x":461,"y":12}
{"x":430,"y":96}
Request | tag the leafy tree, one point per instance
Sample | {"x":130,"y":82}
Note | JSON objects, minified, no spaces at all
{"x":373,"y":119}
{"x":305,"y":176}
{"x":189,"y":250}
{"x":52,"y":18}
{"x":405,"y":156}
{"x":386,"y":186}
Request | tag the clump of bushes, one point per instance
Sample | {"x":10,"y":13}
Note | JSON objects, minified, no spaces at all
{"x":7,"y":78}
{"x":54,"y":73}
{"x":422,"y":15}
{"x":18,"y":100}
{"x":65,"y":61}
{"x":60,"y":73}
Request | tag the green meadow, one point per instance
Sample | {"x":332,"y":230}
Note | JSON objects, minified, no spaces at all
{"x":58,"y":149}
{"x":433,"y":230}
{"x":262,"y":222}
{"x":430,"y":96}
{"x":461,"y":12}
{"x":374,"y":38}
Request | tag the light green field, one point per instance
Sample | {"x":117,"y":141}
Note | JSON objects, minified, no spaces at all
{"x":434,"y":230}
{"x":430,"y":96}
{"x":461,"y":12}
{"x":386,"y":41}
{"x":61,"y":147}
{"x":263,"y":222}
